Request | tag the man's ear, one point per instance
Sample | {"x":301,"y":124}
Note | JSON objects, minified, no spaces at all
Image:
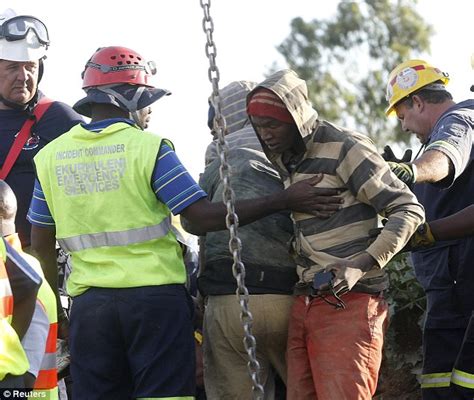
{"x":418,"y":103}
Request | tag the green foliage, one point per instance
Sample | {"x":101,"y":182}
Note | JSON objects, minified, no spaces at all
{"x":407,"y":304}
{"x":346,"y":60}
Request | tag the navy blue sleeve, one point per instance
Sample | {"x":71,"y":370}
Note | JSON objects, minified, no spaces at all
{"x":58,"y":119}
{"x":453,"y":137}
{"x":39,"y":213}
{"x":172,"y":183}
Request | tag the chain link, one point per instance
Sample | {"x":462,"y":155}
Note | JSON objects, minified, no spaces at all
{"x":232,"y":220}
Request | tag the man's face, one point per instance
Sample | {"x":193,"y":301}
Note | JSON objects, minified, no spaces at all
{"x":412,"y":119}
{"x":18,"y":81}
{"x":278,"y":136}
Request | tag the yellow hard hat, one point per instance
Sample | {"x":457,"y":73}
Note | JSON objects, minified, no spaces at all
{"x":408,"y":77}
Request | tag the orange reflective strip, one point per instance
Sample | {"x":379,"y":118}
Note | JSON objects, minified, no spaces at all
{"x":52,"y":336}
{"x":47,"y":379}
{"x":6,"y":306}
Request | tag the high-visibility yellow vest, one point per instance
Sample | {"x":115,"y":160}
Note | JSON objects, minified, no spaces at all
{"x":12,"y":356}
{"x":47,"y":381}
{"x":98,"y":189}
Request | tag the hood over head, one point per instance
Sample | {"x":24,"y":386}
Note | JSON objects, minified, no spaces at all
{"x":265,"y":103}
{"x":293,"y":92}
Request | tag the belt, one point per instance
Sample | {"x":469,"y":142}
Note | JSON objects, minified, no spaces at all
{"x":306,"y":289}
{"x":303,"y":289}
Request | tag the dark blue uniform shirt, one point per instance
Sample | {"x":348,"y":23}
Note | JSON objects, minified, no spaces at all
{"x":58,"y":119}
{"x":446,"y":271}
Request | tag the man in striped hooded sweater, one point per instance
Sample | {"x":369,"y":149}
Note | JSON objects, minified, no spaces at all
{"x":270,"y":272}
{"x":336,"y":330}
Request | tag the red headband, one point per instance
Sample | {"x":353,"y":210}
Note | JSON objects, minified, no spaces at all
{"x":265,"y":103}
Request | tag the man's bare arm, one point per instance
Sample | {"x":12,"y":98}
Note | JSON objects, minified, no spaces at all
{"x":204,"y":216}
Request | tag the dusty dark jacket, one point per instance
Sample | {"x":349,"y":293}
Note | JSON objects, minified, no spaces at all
{"x":265,"y":243}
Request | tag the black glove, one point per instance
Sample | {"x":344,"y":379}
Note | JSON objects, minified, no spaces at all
{"x":406,"y":172}
{"x":422,"y":238}
{"x":388,"y":155}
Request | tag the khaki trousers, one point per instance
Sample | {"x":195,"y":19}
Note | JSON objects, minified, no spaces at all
{"x":225,"y":359}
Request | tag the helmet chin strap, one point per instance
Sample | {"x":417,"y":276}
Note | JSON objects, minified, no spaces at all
{"x":11,"y":104}
{"x":136,"y":118}
{"x":28,"y":107}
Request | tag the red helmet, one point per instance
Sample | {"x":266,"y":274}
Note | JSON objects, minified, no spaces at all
{"x":117,"y":64}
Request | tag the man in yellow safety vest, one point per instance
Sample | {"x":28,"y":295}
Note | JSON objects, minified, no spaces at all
{"x":106,"y":191}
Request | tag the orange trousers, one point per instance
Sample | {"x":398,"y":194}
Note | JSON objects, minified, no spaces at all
{"x":335,"y":354}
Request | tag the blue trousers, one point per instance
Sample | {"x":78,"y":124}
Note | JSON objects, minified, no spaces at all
{"x":132,"y":343}
{"x":446,"y":350}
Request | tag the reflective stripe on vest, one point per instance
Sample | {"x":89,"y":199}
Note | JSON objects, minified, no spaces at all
{"x":48,"y":375}
{"x":122,"y":238}
{"x":47,"y":380}
{"x":441,"y":379}
{"x":6,"y":295}
{"x":463,"y":379}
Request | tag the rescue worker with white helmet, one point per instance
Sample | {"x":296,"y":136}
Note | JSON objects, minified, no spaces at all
{"x":106,"y":191}
{"x":24,"y":41}
{"x":443,"y":180}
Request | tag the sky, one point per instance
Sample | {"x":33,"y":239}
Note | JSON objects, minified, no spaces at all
{"x":246,"y":33}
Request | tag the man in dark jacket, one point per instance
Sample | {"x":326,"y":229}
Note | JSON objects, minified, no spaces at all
{"x":23,"y":48}
{"x":270,"y":271}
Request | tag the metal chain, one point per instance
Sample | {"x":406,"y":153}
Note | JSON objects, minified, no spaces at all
{"x":232,"y":220}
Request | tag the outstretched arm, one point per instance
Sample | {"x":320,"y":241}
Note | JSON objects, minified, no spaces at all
{"x":455,"y":226}
{"x":204,"y":216}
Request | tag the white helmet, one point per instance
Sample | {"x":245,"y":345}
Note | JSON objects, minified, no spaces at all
{"x":22,"y":38}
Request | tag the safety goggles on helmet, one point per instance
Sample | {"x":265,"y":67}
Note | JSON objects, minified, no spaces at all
{"x":17,"y":28}
{"x":149,"y":67}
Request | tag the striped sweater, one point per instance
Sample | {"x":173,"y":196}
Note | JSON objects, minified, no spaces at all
{"x":349,"y":161}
